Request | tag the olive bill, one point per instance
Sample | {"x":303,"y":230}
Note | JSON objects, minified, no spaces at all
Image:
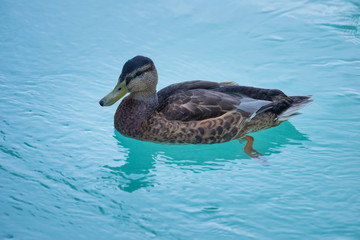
{"x":119,"y":91}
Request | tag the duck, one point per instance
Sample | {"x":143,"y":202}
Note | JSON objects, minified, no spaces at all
{"x":195,"y":112}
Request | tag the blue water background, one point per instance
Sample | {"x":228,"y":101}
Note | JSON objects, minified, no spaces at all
{"x":65,"y":173}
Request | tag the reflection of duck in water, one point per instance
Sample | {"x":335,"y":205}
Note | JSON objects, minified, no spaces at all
{"x":138,"y":166}
{"x":198,"y":112}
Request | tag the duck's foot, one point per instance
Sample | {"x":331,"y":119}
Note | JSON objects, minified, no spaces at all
{"x":251,"y":152}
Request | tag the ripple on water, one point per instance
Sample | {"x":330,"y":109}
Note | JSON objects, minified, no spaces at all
{"x":66,"y":173}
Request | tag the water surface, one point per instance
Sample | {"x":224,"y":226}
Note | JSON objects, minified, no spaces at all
{"x":65,"y":173}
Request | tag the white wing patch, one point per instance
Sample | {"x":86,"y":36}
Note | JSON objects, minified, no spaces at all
{"x":251,"y":106}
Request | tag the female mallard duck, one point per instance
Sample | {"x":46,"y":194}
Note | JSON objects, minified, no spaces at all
{"x":198,"y":112}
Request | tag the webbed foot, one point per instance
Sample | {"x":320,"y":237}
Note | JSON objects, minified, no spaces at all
{"x":251,"y":152}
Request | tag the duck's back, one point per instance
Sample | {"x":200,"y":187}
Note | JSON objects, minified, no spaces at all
{"x":199,"y":100}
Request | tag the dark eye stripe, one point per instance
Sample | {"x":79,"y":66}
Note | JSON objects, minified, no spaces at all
{"x":143,"y":71}
{"x":129,"y":78}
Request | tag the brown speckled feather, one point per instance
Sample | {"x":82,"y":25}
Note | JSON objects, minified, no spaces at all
{"x":197,"y":104}
{"x":201,"y":112}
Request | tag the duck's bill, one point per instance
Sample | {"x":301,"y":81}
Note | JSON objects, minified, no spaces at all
{"x":119,"y":91}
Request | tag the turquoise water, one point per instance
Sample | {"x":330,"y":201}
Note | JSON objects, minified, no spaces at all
{"x":65,"y":173}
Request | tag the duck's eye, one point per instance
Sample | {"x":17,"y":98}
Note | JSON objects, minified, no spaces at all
{"x":138,"y":74}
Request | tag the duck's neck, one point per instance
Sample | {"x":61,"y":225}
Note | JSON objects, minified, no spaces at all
{"x":133,"y":111}
{"x":149,"y":98}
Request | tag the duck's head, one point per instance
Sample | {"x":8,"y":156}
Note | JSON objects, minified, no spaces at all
{"x":138,"y":77}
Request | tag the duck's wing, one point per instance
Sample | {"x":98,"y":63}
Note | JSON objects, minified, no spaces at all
{"x":200,"y":104}
{"x":230,"y":88}
{"x":279,"y":102}
{"x":185,"y":86}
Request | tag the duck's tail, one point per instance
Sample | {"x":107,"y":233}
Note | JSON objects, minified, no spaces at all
{"x":298,"y":103}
